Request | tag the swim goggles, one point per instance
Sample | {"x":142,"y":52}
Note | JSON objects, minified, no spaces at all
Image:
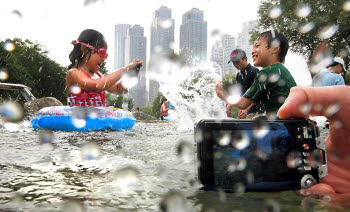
{"x":101,"y":52}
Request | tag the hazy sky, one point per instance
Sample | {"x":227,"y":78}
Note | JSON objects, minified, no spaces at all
{"x":54,"y":24}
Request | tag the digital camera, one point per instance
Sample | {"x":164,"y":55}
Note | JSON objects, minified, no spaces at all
{"x":260,"y":154}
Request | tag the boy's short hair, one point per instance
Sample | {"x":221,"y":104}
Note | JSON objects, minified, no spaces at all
{"x":279,"y":38}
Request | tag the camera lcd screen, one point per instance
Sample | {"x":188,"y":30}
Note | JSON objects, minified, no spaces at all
{"x":258,"y":157}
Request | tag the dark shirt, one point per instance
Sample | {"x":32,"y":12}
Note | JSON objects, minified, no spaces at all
{"x":272,"y":86}
{"x":246,"y":78}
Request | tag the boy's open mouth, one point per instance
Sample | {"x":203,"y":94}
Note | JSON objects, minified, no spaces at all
{"x":99,"y":65}
{"x":254,"y":56}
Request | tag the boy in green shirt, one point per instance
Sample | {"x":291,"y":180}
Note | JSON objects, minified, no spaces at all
{"x":272,"y":83}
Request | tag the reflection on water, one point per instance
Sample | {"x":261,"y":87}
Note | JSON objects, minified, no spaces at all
{"x":144,"y":169}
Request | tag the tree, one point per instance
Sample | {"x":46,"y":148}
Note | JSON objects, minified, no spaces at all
{"x":28,"y":64}
{"x":323,"y":14}
{"x":117,"y":101}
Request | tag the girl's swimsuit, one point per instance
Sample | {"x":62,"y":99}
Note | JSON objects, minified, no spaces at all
{"x":88,"y":98}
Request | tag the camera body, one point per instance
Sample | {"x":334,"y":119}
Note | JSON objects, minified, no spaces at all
{"x":261,"y":154}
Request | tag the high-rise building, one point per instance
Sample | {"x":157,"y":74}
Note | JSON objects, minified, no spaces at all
{"x":193,"y":37}
{"x":162,"y":40}
{"x":135,"y":46}
{"x":244,"y":37}
{"x":120,"y":31}
{"x":221,"y":51}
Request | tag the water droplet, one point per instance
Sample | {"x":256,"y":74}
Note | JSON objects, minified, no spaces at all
{"x":222,"y":195}
{"x":250,"y":177}
{"x":262,"y":78}
{"x":79,"y":117}
{"x":90,"y":151}
{"x":327,"y":31}
{"x":261,"y":154}
{"x":73,"y":206}
{"x":239,"y":189}
{"x":275,"y":11}
{"x":344,"y":53}
{"x":11,"y":126}
{"x":271,"y":205}
{"x":185,"y":151}
{"x":306,"y":27}
{"x":321,"y":59}
{"x":46,"y":137}
{"x":305,"y":108}
{"x":332,"y":109}
{"x":309,"y":203}
{"x":129,"y":81}
{"x":127,"y":178}
{"x":318,"y":107}
{"x":240,"y":140}
{"x":11,"y":111}
{"x":302,"y":10}
{"x":281,"y":82}
{"x":346,"y":6}
{"x":241,"y":164}
{"x":3,"y":74}
{"x":9,"y":46}
{"x":92,"y":112}
{"x":198,"y":136}
{"x":275,"y":43}
{"x":166,"y":24}
{"x":215,"y":33}
{"x":337,"y":124}
{"x":234,"y":94}
{"x":75,"y":89}
{"x":315,"y":159}
{"x":217,"y":155}
{"x":281,"y":99}
{"x":293,"y":160}
{"x":173,"y":201}
{"x":158,"y":49}
{"x":260,"y":129}
{"x":224,"y":140}
{"x":274,"y":77}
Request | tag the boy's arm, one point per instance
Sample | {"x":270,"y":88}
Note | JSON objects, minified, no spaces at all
{"x":242,"y":104}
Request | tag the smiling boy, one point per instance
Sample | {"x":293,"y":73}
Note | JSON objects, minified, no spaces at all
{"x":272,"y":83}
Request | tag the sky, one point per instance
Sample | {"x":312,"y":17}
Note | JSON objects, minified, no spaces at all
{"x":54,"y":24}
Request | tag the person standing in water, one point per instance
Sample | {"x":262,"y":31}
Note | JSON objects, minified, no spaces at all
{"x":164,"y":109}
{"x":85,"y":85}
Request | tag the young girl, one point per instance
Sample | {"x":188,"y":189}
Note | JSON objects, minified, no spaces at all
{"x":85,"y":85}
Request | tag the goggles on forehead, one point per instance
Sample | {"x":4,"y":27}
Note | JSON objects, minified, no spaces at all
{"x":101,"y":52}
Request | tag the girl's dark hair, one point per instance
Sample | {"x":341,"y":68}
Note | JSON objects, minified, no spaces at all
{"x":88,"y":36}
{"x":275,"y":36}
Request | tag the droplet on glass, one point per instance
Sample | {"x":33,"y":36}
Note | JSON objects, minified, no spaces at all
{"x":321,"y":59}
{"x":224,"y":140}
{"x":274,"y":77}
{"x":315,"y":159}
{"x":158,"y":49}
{"x":127,"y":178}
{"x":261,"y":154}
{"x":332,"y":109}
{"x":302,"y":10}
{"x":73,"y":206}
{"x":337,"y":124}
{"x":185,"y":151}
{"x":92,"y":112}
{"x":166,"y":24}
{"x":222,"y":195}
{"x":240,"y":140}
{"x":306,"y":27}
{"x":239,"y":189}
{"x":275,"y":11}
{"x":281,"y":82}
{"x":271,"y":205}
{"x":173,"y":201}
{"x":90,"y":151}
{"x":309,"y":203}
{"x":250,"y":177}
{"x":46,"y":137}
{"x":11,"y":112}
{"x":346,"y":6}
{"x":327,"y":31}
{"x":262,"y":78}
{"x":305,"y":108}
{"x":3,"y":74}
{"x":75,"y":89}
{"x":260,"y":129}
{"x":318,"y":107}
{"x":344,"y":53}
{"x":129,"y":81}
{"x":275,"y":43}
{"x":281,"y":99}
{"x":241,"y":164}
{"x":217,"y":155}
{"x":215,"y":33}
{"x":198,"y":136}
{"x":79,"y":117}
{"x":293,"y":160}
{"x":234,"y":94}
{"x":9,"y":46}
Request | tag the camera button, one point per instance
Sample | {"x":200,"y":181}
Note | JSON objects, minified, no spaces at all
{"x":305,"y":132}
{"x":306,"y":146}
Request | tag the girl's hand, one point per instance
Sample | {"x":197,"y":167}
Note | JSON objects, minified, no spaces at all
{"x":134,"y":64}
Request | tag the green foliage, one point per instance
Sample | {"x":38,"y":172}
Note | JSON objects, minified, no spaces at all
{"x":228,"y":80}
{"x":147,"y":110}
{"x":29,"y":65}
{"x":323,"y":13}
{"x":347,"y":78}
{"x":253,"y":35}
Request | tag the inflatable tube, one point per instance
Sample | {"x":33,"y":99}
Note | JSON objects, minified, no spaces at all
{"x":66,"y":118}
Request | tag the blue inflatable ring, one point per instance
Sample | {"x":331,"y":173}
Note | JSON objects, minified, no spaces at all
{"x":66,"y":118}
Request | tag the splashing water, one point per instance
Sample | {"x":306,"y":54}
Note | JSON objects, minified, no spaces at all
{"x":190,"y":89}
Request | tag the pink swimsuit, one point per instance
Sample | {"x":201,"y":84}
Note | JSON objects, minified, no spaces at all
{"x":88,"y":98}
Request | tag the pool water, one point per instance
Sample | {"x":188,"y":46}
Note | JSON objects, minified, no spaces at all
{"x":151,"y":167}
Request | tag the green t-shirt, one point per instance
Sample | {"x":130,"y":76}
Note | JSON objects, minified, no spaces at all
{"x":271,"y":85}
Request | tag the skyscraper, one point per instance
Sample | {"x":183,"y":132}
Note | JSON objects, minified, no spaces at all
{"x":244,"y":37}
{"x":221,"y":51}
{"x":162,"y":39}
{"x":135,"y":47}
{"x":193,"y":37}
{"x":120,"y":31}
